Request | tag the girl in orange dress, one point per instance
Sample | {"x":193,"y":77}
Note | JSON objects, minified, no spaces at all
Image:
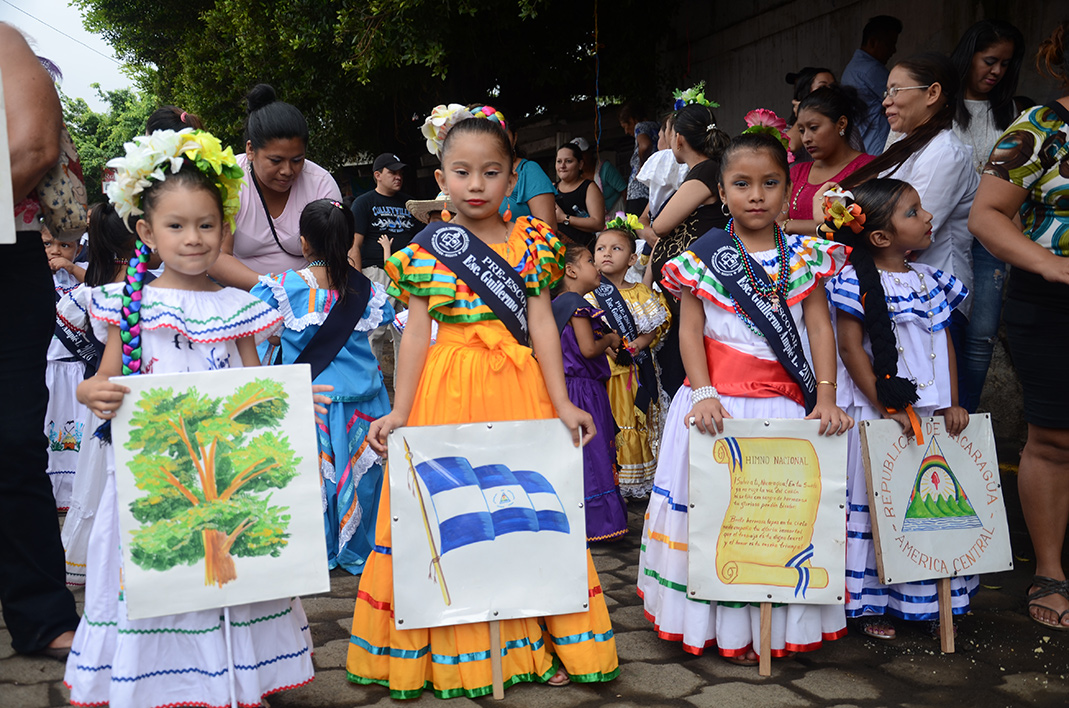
{"x":476,"y":371}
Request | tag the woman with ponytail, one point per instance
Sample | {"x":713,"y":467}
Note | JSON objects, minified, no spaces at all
{"x":694,"y":209}
{"x":891,"y":325}
{"x":183,"y":184}
{"x":1028,"y":174}
{"x":307,"y":298}
{"x":920,"y":102}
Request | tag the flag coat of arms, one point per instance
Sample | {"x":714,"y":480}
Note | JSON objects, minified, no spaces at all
{"x":487,"y":522}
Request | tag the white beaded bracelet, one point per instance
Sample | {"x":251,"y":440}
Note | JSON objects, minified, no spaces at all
{"x":700,"y":394}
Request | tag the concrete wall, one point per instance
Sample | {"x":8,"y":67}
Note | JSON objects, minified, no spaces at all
{"x":743,"y":49}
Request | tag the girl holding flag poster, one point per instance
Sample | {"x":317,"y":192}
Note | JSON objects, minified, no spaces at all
{"x":486,"y":283}
{"x":734,"y":287}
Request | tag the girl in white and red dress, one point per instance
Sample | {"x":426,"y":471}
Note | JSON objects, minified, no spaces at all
{"x":733,"y":372}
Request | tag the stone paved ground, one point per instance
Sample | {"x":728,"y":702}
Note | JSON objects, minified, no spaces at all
{"x":1002,"y":660}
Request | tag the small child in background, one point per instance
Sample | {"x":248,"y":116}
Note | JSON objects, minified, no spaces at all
{"x":110,"y":245}
{"x":61,"y":252}
{"x":584,"y":340}
{"x":68,"y":354}
{"x":641,"y":317}
{"x":308,"y":298}
{"x":891,"y":320}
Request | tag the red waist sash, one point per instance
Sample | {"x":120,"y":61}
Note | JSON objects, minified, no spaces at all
{"x":734,"y":373}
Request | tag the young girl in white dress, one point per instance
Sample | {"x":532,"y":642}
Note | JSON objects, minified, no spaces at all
{"x":183,"y":321}
{"x":718,"y":344}
{"x":891,"y":320}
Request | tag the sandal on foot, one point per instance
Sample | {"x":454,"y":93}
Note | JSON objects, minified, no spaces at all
{"x":560,"y":678}
{"x":743,"y":659}
{"x":877,"y":627}
{"x":1044,"y":587}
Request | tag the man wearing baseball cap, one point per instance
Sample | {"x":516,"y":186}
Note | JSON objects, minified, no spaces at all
{"x":383,"y":224}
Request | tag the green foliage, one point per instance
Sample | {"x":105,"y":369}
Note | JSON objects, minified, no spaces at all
{"x":100,"y":136}
{"x":360,"y":69}
{"x":205,"y":464}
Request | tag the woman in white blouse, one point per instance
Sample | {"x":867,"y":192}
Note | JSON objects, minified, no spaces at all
{"x":920,"y":102}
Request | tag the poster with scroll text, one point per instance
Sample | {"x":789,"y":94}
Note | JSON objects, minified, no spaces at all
{"x":936,"y":501}
{"x":767,"y":513}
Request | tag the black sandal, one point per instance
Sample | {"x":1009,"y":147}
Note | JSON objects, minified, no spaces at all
{"x":1044,"y":587}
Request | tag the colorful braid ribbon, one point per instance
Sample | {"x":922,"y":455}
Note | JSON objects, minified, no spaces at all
{"x":625,"y":222}
{"x":149,"y":158}
{"x":490,"y":113}
{"x":762,"y":120}
{"x":695,"y":94}
{"x":130,"y":325}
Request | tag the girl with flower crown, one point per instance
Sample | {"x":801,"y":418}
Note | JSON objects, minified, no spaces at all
{"x":642,"y":318}
{"x":186,"y":188}
{"x":477,"y":371}
{"x":892,"y":317}
{"x":734,"y":370}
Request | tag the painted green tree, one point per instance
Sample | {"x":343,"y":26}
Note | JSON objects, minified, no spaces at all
{"x":208,"y":466}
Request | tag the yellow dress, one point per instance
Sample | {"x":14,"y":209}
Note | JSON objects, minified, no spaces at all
{"x":640,"y":432}
{"x":475,"y":372}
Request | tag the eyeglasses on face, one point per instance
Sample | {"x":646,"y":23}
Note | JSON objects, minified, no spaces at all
{"x":892,"y":92}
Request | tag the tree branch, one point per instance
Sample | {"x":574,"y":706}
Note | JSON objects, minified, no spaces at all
{"x":238,"y":482}
{"x":179,"y":486}
{"x":181,"y":430}
{"x":250,"y":404}
{"x":233,"y":536}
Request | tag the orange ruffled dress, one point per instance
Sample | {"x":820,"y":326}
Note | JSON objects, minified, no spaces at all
{"x":475,"y":372}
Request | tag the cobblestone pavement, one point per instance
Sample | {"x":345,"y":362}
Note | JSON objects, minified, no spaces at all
{"x":1002,"y":658}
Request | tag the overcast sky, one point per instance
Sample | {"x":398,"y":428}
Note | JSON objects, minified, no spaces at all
{"x":80,"y":65}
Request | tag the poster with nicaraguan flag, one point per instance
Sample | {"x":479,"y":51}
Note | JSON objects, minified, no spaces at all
{"x":767,"y":513}
{"x":487,"y":521}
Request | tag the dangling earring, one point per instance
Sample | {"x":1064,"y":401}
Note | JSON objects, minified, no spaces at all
{"x":724,"y":209}
{"x":507,"y":216}
{"x":446,"y":216}
{"x":841,"y":132}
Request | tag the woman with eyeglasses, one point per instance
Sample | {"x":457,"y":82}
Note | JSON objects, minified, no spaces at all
{"x":920,"y":103}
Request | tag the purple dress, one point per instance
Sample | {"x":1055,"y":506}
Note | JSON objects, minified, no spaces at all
{"x":606,"y":513}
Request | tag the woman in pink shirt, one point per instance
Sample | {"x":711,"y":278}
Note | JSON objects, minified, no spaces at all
{"x":279,"y":183}
{"x":827,"y":119}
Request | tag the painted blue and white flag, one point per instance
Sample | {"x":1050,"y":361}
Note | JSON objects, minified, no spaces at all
{"x":474,"y":504}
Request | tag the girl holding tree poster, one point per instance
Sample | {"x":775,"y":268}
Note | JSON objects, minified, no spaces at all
{"x":185,"y":185}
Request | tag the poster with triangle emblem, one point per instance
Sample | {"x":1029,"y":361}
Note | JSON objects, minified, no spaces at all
{"x":936,"y":505}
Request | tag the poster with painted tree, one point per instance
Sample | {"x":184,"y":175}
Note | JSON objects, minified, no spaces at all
{"x":218,"y":489}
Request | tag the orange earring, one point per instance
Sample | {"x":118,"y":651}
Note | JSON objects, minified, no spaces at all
{"x":507,"y":216}
{"x":446,"y":216}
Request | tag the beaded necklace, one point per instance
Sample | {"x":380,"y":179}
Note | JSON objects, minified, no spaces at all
{"x":773,"y":292}
{"x":130,"y":325}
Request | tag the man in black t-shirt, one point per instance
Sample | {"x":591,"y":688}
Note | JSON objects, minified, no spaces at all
{"x":383,"y":224}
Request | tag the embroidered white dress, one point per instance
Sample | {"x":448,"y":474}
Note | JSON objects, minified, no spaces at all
{"x":65,"y":417}
{"x":179,"y":659}
{"x":662,"y":576}
{"x":921,"y":314}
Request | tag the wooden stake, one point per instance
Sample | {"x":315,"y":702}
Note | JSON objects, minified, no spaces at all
{"x":764,"y":667}
{"x":495,"y":660}
{"x":946,"y":617}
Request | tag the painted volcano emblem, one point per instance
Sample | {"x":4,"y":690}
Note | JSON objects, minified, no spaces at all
{"x":938,"y":501}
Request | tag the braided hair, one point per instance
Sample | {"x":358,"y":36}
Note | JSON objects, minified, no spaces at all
{"x":878,"y":199}
{"x":130,"y":324}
